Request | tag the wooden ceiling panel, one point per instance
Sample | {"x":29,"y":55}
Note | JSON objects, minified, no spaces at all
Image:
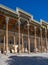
{"x":2,"y":19}
{"x":12,"y":21}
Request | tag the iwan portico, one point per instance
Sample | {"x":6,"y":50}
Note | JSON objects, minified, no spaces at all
{"x":20,"y":33}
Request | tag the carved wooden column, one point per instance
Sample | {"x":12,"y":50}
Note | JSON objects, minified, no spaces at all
{"x":19,"y":34}
{"x":35,"y":42}
{"x":14,"y":44}
{"x":46,"y":38}
{"x":7,"y":19}
{"x":28,"y":45}
{"x":28,"y":39}
{"x":41,"y":39}
{"x":22,"y":43}
{"x":4,"y":42}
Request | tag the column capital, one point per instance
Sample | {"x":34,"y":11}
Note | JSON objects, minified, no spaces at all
{"x":35,"y":27}
{"x":19,"y":21}
{"x":45,"y":29}
{"x":40,"y":29}
{"x":7,"y":19}
{"x":28,"y":24}
{"x":22,"y":34}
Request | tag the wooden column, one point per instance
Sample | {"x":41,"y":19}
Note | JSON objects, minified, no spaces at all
{"x":46,"y":38}
{"x":7,"y":19}
{"x":19,"y":34}
{"x":41,"y":39}
{"x":14,"y":44}
{"x":28,"y":45}
{"x":28,"y":40}
{"x":35,"y":42}
{"x":22,"y":43}
{"x":4,"y":42}
{"x":39,"y":43}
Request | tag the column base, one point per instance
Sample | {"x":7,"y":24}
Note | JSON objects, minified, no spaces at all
{"x":19,"y":51}
{"x":35,"y":50}
{"x":22,"y":50}
{"x":45,"y":50}
{"x":28,"y":52}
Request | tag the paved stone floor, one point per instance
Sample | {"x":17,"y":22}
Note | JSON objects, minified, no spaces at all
{"x":24,"y":59}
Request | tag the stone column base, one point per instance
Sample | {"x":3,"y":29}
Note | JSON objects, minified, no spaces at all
{"x":22,"y":50}
{"x":36,"y":50}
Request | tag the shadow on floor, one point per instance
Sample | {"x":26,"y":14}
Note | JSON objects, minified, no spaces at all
{"x":16,"y":60}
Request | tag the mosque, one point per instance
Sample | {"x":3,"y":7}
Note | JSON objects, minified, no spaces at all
{"x":21,"y":33}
